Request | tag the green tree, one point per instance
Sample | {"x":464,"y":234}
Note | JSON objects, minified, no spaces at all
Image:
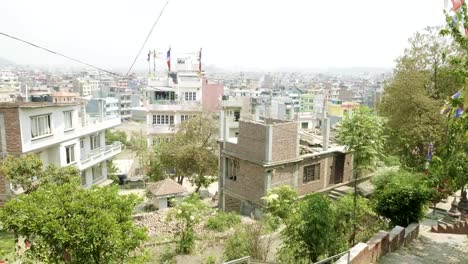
{"x":139,"y":144}
{"x":423,"y":78}
{"x":67,"y":223}
{"x":402,"y":196}
{"x":248,"y":240}
{"x":310,"y":232}
{"x":192,"y":151}
{"x":363,"y":134}
{"x":279,"y":202}
{"x":112,"y":171}
{"x":116,"y":136}
{"x":187,"y":214}
{"x":27,"y":171}
{"x":367,"y":221}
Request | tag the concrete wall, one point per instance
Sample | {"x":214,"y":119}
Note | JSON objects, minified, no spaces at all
{"x":380,"y":244}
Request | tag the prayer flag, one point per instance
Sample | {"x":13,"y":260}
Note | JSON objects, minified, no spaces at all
{"x":168,"y":58}
{"x":456,"y":4}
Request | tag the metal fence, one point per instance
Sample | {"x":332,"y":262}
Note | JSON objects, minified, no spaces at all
{"x":328,"y":260}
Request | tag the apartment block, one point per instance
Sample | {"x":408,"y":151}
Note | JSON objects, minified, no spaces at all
{"x":63,"y":134}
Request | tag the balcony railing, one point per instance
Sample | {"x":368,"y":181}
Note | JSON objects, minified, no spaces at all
{"x":100,"y":154}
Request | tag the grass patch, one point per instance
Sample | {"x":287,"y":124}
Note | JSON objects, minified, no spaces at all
{"x":7,"y":243}
{"x":222,"y":221}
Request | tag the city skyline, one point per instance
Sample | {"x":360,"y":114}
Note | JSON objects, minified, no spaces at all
{"x":259,"y":35}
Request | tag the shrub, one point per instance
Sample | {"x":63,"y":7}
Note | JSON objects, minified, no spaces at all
{"x":247,"y":241}
{"x":236,"y":245}
{"x":402,"y":197}
{"x":391,"y":161}
{"x":210,"y":260}
{"x":222,"y":221}
{"x":167,"y":256}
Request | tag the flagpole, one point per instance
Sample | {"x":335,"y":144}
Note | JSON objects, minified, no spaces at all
{"x":154,"y":62}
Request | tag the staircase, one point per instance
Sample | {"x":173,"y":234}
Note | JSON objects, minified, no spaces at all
{"x":431,"y":248}
{"x":338,"y":192}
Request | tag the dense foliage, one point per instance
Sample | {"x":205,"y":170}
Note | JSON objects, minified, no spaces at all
{"x":116,"y":136}
{"x":69,"y":223}
{"x":279,"y":202}
{"x":424,"y":77}
{"x":222,"y":221}
{"x":27,"y":171}
{"x":248,"y":240}
{"x":402,"y":197}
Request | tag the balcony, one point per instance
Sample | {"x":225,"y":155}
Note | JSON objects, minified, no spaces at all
{"x":99,"y":155}
{"x":160,"y":129}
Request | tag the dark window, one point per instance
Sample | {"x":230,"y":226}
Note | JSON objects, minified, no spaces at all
{"x":236,"y":116}
{"x":233,"y":168}
{"x":305,"y":125}
{"x":311,"y":173}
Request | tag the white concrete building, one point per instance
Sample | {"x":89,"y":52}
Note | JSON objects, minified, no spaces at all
{"x":62,"y":134}
{"x":172,"y":100}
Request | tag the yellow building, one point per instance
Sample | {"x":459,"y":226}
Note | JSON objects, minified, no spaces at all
{"x":337,"y":108}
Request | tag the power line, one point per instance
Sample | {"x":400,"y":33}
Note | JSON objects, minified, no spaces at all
{"x":147,"y":37}
{"x":59,"y":54}
{"x":71,"y":58}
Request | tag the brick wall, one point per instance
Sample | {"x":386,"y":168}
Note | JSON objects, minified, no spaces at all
{"x":251,"y":143}
{"x":313,"y":186}
{"x":380,"y":244}
{"x":13,"y":146}
{"x":13,"y":131}
{"x":232,"y":204}
{"x":250,"y":182}
{"x":284,"y":141}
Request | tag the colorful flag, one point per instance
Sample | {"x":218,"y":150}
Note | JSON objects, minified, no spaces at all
{"x":456,"y":4}
{"x":149,"y":56}
{"x":199,"y":61}
{"x":168,"y":58}
{"x":466,"y":32}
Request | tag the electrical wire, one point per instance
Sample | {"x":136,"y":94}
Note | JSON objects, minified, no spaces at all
{"x":71,"y":58}
{"x":59,"y":54}
{"x":147,"y":37}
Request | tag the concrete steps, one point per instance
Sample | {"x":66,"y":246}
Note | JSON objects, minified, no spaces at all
{"x":339,"y":192}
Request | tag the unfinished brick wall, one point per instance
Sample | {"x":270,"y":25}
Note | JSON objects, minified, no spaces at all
{"x":251,"y":142}
{"x":283,"y":175}
{"x":250,"y":182}
{"x":284,"y":141}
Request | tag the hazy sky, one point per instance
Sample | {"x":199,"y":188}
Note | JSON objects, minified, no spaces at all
{"x":249,"y":33}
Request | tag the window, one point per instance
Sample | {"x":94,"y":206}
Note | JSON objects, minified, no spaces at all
{"x":163,"y":119}
{"x":70,"y":153}
{"x":184,"y":118}
{"x":68,"y":119}
{"x":190,"y":96}
{"x":97,"y":172}
{"x":311,"y":173}
{"x":236,"y":116}
{"x":81,"y":143}
{"x":83,"y":178}
{"x":233,"y":168}
{"x":95,"y":142}
{"x":304,"y":125}
{"x":40,"y":126}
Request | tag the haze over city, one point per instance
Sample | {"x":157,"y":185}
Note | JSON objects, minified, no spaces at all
{"x":235,"y":34}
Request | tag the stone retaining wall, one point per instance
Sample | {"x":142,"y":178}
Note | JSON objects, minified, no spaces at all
{"x":380,"y":244}
{"x":459,"y":228}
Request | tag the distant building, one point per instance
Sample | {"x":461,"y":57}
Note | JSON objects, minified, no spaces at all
{"x":59,"y":133}
{"x":211,"y":95}
{"x":64,"y":97}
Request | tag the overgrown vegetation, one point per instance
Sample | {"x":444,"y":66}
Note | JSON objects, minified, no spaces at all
{"x":222,"y":221}
{"x":186,"y":215}
{"x":116,"y":136}
{"x":248,"y":240}
{"x":402,"y":197}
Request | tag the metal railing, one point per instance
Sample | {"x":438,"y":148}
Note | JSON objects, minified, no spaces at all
{"x":333,"y":258}
{"x":323,"y":261}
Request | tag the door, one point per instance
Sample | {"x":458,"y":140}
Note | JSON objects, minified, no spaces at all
{"x":338,"y":168}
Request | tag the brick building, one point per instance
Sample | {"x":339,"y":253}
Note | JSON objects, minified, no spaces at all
{"x":59,"y":133}
{"x":272,"y":153}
